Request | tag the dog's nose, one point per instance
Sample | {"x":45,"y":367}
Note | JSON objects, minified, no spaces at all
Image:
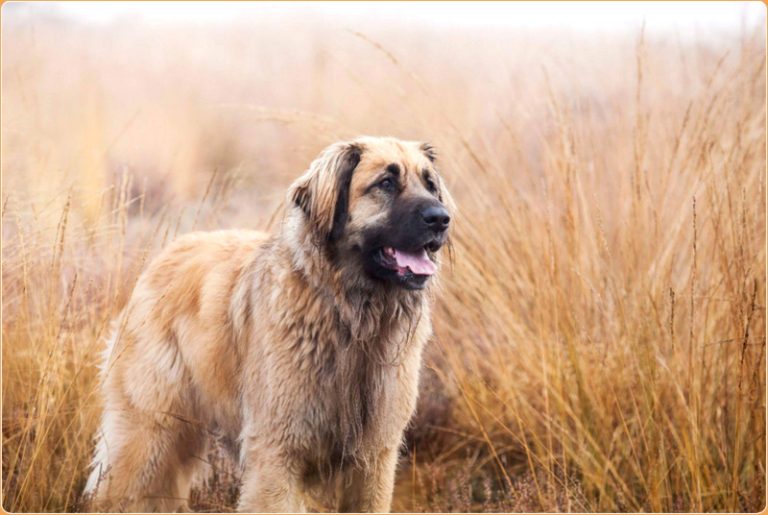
{"x":436,"y":218}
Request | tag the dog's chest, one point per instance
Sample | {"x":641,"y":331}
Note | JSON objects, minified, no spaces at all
{"x":333,"y":393}
{"x":346,"y":394}
{"x":346,"y":403}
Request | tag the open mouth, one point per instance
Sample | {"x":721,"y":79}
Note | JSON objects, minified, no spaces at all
{"x":407,"y":262}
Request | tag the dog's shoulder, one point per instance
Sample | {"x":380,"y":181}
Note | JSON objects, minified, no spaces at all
{"x":198,"y":270}
{"x":208,"y":248}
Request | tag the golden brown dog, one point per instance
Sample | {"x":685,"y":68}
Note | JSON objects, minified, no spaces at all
{"x":303,"y":348}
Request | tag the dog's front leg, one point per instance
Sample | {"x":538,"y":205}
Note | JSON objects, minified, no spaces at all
{"x":268,"y":486}
{"x":368,"y":486}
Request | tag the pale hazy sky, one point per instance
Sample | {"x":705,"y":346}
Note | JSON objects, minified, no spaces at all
{"x":678,"y":16}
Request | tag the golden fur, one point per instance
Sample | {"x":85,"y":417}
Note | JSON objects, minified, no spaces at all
{"x":283,"y":346}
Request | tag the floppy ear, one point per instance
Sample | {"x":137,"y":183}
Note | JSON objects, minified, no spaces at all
{"x":323,"y":191}
{"x":428,"y":150}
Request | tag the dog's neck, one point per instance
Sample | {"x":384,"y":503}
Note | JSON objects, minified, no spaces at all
{"x":371,"y":309}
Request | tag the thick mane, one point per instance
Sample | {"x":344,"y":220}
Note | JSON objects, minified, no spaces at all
{"x":369,"y":309}
{"x":352,"y":338}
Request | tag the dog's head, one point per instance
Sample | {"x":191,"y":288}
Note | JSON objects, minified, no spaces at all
{"x":379,"y":204}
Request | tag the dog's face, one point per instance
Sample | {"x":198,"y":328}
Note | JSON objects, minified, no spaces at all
{"x":378,"y":204}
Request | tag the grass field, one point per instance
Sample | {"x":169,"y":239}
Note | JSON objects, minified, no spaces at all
{"x":600,"y":337}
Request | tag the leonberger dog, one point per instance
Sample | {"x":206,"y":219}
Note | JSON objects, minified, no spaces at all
{"x":302,"y":348}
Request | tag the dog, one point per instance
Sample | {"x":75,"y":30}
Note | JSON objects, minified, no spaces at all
{"x":302,"y":347}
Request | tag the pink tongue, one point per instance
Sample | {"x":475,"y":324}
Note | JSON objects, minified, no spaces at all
{"x":419,"y":263}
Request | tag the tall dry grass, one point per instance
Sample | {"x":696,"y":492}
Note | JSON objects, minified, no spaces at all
{"x":600,"y":338}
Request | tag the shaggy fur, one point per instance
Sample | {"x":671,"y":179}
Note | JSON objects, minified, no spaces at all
{"x":282,"y":343}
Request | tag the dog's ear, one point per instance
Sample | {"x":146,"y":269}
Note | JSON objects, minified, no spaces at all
{"x":322,"y":193}
{"x":428,"y":150}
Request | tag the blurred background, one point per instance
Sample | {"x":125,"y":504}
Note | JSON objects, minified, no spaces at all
{"x":600,"y":335}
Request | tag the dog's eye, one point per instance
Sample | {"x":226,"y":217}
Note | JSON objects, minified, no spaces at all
{"x":431,"y":186}
{"x":387,"y":185}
